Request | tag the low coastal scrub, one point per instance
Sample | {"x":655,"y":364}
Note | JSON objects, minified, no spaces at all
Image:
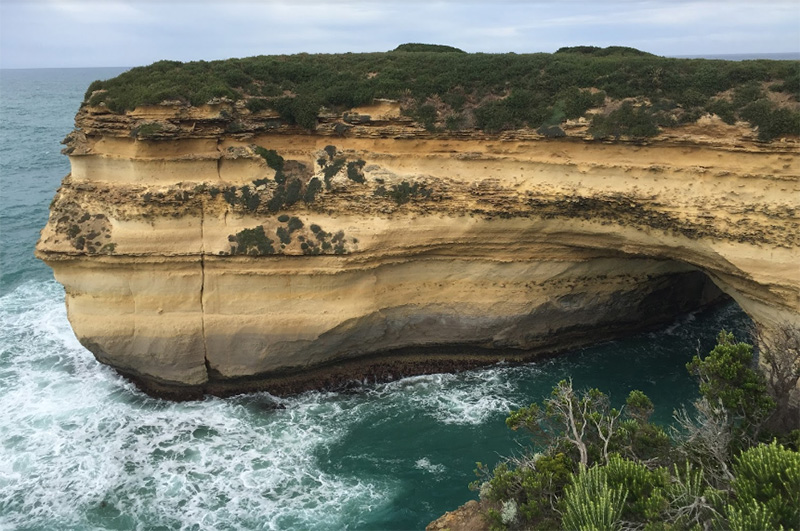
{"x":444,"y":88}
{"x":404,"y":192}
{"x":731,"y":463}
{"x":292,"y":236}
{"x":252,"y":242}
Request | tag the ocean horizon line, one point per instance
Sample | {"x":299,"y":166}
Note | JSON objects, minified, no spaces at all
{"x":748,"y":56}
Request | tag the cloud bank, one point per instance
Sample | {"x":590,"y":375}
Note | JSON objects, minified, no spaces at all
{"x":74,"y":33}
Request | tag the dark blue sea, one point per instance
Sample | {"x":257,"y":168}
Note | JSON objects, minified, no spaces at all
{"x":81,"y":448}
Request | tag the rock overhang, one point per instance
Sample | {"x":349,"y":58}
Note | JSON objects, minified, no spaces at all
{"x":199,"y":259}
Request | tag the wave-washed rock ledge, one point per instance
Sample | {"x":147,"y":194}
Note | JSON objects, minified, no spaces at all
{"x":197,"y":259}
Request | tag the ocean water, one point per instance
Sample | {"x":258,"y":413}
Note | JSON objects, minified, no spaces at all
{"x":81,"y":448}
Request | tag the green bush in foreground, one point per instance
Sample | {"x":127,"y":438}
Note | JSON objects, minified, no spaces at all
{"x":766,"y":488}
{"x":594,"y":469}
{"x":590,"y":503}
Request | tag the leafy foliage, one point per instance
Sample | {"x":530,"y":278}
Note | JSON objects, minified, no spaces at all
{"x":271,"y":156}
{"x":630,"y":121}
{"x":312,"y":189}
{"x":418,"y":47}
{"x":766,"y":488}
{"x":329,"y":171}
{"x":595,"y":472}
{"x":590,"y":503}
{"x":499,"y":91}
{"x":727,"y":376}
{"x":253,"y":242}
{"x":355,"y":171}
{"x":404,"y":192}
{"x":146,"y":130}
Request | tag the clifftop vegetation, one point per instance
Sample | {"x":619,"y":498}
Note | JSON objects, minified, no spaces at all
{"x":629,"y":92}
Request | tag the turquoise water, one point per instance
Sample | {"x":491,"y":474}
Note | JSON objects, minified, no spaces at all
{"x":81,"y":448}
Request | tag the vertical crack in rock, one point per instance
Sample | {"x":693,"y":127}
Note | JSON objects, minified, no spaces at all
{"x":203,"y":284}
{"x":203,"y":266}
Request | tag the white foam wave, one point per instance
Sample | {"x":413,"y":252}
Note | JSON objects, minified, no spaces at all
{"x":468,"y":398}
{"x":82,"y":448}
{"x":426,"y":465}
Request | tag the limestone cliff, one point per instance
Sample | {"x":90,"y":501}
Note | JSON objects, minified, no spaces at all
{"x":211,"y":249}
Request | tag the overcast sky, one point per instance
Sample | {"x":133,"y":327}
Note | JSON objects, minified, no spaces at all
{"x":72,"y":33}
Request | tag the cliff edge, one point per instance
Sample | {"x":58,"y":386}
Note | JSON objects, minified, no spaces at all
{"x":220,"y":248}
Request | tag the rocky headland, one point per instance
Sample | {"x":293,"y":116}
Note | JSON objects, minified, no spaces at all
{"x":220,"y":248}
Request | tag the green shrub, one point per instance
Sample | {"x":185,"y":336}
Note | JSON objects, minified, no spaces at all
{"x":534,"y":487}
{"x":234,"y":127}
{"x":645,"y":498}
{"x":426,"y":115}
{"x":591,"y":504}
{"x":283,"y":235}
{"x":456,"y":100}
{"x":294,"y":224}
{"x":724,"y":109}
{"x":255,"y":105}
{"x":551,"y":131}
{"x":515,"y":89}
{"x":781,"y":121}
{"x":602,"y":52}
{"x":271,"y":157}
{"x":253,"y":242}
{"x":93,"y":86}
{"x":229,"y":194}
{"x":419,"y":47}
{"x":772,"y":121}
{"x":495,"y":116}
{"x":747,"y":93}
{"x":758,"y":489}
{"x":312,"y":189}
{"x":575,"y":102}
{"x":329,"y":172}
{"x":629,"y":121}
{"x":766,"y":488}
{"x":355,"y":171}
{"x":301,"y":110}
{"x":790,"y":85}
{"x":728,"y":375}
{"x":249,"y":199}
{"x":293,"y":190}
{"x":276,"y":201}
{"x":147,"y":130}
{"x":454,"y":122}
{"x":404,"y":192}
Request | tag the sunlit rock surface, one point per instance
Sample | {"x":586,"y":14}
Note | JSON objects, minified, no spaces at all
{"x":211,"y":250}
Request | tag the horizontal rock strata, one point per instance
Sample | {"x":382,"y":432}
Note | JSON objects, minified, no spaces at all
{"x":197,"y":259}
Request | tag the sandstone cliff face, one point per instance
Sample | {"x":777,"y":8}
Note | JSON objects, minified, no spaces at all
{"x":205,"y":249}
